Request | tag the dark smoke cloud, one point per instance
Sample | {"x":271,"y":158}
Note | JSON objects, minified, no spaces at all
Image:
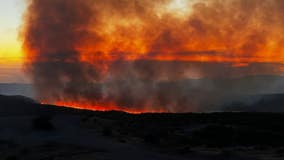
{"x":58,"y":33}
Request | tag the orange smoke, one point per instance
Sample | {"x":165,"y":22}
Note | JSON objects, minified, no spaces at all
{"x":235,"y":31}
{"x":122,"y":51}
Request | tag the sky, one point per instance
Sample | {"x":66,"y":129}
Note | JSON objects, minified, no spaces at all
{"x":11,"y":12}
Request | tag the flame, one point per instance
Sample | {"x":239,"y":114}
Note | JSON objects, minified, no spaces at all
{"x":83,"y":106}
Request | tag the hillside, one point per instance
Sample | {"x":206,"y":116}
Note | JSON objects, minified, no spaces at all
{"x":33,"y":131}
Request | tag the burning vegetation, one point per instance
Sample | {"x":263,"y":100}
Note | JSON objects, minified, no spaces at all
{"x":136,"y":55}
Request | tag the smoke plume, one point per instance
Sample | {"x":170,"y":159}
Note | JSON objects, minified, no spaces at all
{"x":139,"y":55}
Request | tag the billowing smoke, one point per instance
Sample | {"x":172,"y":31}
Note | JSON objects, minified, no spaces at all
{"x":139,"y":55}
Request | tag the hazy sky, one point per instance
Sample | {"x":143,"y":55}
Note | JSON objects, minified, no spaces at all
{"x":11,"y":12}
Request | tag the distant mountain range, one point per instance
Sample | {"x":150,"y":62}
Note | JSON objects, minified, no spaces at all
{"x":17,"y":89}
{"x":257,"y":103}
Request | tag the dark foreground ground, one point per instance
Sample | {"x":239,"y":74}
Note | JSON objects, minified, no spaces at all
{"x":32,"y":131}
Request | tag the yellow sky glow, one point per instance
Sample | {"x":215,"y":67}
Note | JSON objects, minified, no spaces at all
{"x":11,"y":12}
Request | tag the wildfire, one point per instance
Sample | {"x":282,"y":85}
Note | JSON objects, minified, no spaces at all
{"x":135,"y":54}
{"x":106,"y":108}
